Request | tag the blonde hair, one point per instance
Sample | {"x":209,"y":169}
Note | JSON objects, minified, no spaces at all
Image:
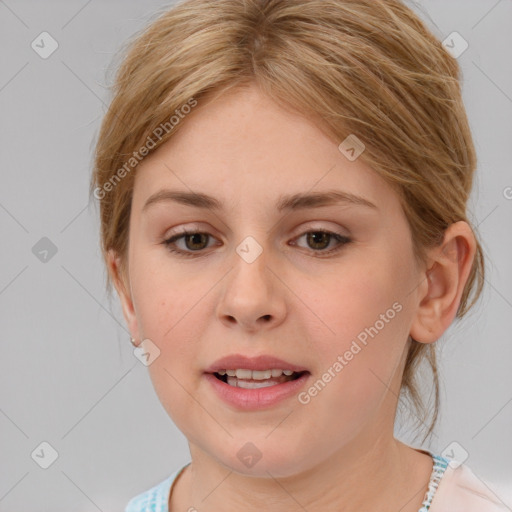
{"x":364,"y":67}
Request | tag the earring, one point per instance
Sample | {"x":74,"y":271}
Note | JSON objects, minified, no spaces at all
{"x":133,"y":342}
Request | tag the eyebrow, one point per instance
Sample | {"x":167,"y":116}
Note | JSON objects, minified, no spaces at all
{"x":290,"y":202}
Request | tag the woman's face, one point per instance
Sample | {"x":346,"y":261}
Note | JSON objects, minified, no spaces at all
{"x":261,"y":280}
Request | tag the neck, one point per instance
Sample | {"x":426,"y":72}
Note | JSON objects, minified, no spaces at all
{"x":350,"y":480}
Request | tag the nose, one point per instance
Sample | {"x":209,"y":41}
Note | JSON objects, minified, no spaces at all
{"x":253,"y":296}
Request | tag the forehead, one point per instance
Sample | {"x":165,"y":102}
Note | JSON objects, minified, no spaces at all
{"x":242,"y":146}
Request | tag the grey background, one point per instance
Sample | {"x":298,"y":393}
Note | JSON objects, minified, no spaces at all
{"x":68,"y":374}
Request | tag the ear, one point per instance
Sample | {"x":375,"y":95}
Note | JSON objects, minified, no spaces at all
{"x":122,"y":286}
{"x":443,"y":283}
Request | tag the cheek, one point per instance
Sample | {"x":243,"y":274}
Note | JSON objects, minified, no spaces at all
{"x":171,"y":314}
{"x":365,"y":322}
{"x":354,"y":298}
{"x":165,"y":295}
{"x":170,"y":310}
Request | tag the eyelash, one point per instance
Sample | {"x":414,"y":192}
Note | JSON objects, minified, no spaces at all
{"x":341,"y":239}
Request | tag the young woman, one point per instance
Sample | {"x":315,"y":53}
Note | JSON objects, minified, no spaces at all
{"x":283,"y":189}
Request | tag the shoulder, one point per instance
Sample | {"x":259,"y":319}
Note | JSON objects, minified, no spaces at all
{"x":460,"y":490}
{"x":155,"y":499}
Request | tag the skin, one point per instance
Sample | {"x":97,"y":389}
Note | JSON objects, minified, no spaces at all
{"x":338,"y":451}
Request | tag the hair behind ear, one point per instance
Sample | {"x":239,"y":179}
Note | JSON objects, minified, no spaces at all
{"x":411,"y":386}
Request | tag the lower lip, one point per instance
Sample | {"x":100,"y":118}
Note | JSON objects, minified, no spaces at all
{"x":259,"y":398}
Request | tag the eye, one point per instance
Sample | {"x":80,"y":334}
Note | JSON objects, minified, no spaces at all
{"x":320,"y":239}
{"x":196,"y":241}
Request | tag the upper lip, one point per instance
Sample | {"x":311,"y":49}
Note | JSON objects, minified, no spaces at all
{"x":262,"y":362}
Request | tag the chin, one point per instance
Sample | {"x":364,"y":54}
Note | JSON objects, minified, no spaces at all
{"x":262,"y":459}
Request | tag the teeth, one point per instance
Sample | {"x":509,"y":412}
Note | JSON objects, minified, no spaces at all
{"x":243,"y":374}
{"x":260,"y":374}
{"x":255,"y":374}
{"x":251,"y":385}
{"x":254,"y":384}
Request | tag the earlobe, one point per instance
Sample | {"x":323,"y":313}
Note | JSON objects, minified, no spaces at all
{"x":124,"y":292}
{"x":445,"y":279}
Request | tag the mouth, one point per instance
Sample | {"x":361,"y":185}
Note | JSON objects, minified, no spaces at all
{"x":255,"y":383}
{"x":254,"y":379}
